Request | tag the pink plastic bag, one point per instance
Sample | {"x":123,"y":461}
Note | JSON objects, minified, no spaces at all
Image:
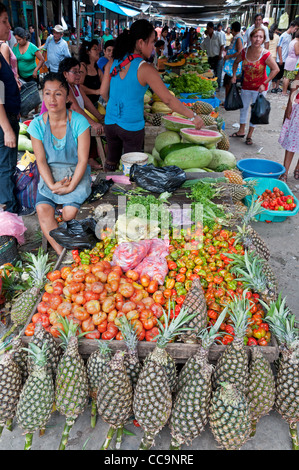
{"x":12,"y":225}
{"x":155,"y":264}
{"x":128,"y":255}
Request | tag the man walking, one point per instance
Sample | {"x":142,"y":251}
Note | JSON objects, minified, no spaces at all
{"x":214,"y":44}
{"x":57,"y":49}
{"x":258,"y":23}
{"x":282,"y":53}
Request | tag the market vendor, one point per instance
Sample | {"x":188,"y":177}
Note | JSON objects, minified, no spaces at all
{"x":60,"y":140}
{"x":125,"y":82}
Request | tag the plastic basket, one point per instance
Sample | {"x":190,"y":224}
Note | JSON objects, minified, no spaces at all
{"x":215,"y":102}
{"x":268,"y":215}
{"x":260,"y":167}
{"x":8,"y":249}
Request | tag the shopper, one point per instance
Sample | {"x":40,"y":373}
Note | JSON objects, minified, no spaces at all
{"x":27,"y":53}
{"x":107,"y":36}
{"x":229,"y":36}
{"x":258,"y":23}
{"x":273,"y":43}
{"x":289,"y":136}
{"x":214,"y":44}
{"x":126,"y":80}
{"x":90,"y":81}
{"x":221,"y":32}
{"x":283,"y":47}
{"x":232,"y":52}
{"x":255,"y":59}
{"x":57,"y":49}
{"x":164,"y":34}
{"x":290,"y":63}
{"x":10,"y":105}
{"x":60,"y":140}
{"x":103,"y":61}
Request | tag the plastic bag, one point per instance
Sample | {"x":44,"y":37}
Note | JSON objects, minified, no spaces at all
{"x":260,"y":110}
{"x":30,"y":97}
{"x":134,"y":229}
{"x":128,"y":255}
{"x":157,"y":180}
{"x":233,"y":100}
{"x":154,"y":264}
{"x":98,"y":189}
{"x":76,"y":234}
{"x":12,"y":225}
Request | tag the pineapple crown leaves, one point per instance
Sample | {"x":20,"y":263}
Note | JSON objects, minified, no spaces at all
{"x":239,"y":310}
{"x":253,"y":210}
{"x":208,"y":335}
{"x":250,"y":271}
{"x":37,"y":354}
{"x":69,"y":330}
{"x":38,"y":266}
{"x":281,"y":322}
{"x":104,"y":346}
{"x":128,"y":332}
{"x":173,"y":328}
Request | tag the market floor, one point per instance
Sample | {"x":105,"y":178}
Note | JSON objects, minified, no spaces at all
{"x":283,"y":241}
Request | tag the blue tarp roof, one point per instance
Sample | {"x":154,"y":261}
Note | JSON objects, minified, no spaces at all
{"x":120,"y":10}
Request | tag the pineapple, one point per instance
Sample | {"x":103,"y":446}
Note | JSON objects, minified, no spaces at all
{"x":196,"y":304}
{"x":208,"y":120}
{"x":157,"y":119}
{"x":234,"y":176}
{"x":232,"y":365}
{"x":190,"y":410}
{"x":22,"y":305}
{"x":229,"y":416}
{"x":152,"y":397}
{"x":95,"y":366}
{"x":37,"y":397}
{"x":261,"y":387}
{"x":131,"y":361}
{"x":20,"y":357}
{"x":10,"y":388}
{"x":40,"y":337}
{"x":282,"y":325}
{"x":71,"y":384}
{"x":115,"y":398}
{"x":202,"y":107}
{"x":223,"y":144}
{"x":248,"y":236}
{"x":251,"y":272}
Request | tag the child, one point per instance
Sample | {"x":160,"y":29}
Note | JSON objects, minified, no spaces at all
{"x":289,"y":136}
{"x":108,"y":52}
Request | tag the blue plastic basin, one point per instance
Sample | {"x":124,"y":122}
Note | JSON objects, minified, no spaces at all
{"x":259,"y":167}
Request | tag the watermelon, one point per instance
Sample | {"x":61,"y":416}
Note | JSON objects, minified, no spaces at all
{"x":170,"y":148}
{"x":201,"y":136}
{"x":195,"y":156}
{"x":167,"y":138}
{"x":175,"y":123}
{"x":222,"y":157}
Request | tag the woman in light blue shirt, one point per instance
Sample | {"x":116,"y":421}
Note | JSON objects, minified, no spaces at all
{"x":60,"y":140}
{"x":125,"y":82}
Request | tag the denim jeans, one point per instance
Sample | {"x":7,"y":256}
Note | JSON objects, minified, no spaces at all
{"x":216,"y":65}
{"x":8,"y":162}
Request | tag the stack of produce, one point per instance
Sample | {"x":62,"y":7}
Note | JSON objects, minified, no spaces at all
{"x":154,"y":108}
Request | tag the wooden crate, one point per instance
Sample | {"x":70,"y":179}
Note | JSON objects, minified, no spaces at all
{"x":151,"y":133}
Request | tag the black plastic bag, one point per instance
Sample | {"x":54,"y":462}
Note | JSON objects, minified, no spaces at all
{"x":98,"y":189}
{"x":76,"y":234}
{"x":30,"y":97}
{"x":157,"y":180}
{"x":260,"y":110}
{"x":233,"y":101}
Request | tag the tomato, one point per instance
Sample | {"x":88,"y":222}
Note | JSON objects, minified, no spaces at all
{"x":145,"y":280}
{"x":230,"y":330}
{"x":54,"y":301}
{"x":152,"y":287}
{"x":148,"y":319}
{"x":157,"y":310}
{"x":148,"y":301}
{"x":90,"y":295}
{"x":93,"y":335}
{"x":256,"y":319}
{"x":94,"y":306}
{"x":119,"y":336}
{"x":64,"y":309}
{"x":262,"y":342}
{"x":111,"y":331}
{"x":227,"y":339}
{"x":128,"y":306}
{"x":88,"y":325}
{"x":252,"y":342}
{"x":36,"y":318}
{"x":172,"y":266}
{"x":135,"y":422}
{"x":65,"y":271}
{"x":131,"y":274}
{"x":102,"y":327}
{"x":90,"y":278}
{"x":150,"y":335}
{"x":57,"y":287}
{"x":112,"y":315}
{"x":133,"y":315}
{"x":99,"y":318}
{"x":49,"y":288}
{"x":159,"y":298}
{"x":212,"y":314}
{"x":74,"y":287}
{"x":126,"y":289}
{"x":53,"y":275}
{"x":265,"y":326}
{"x":80,"y":314}
{"x":43,"y":307}
{"x":259,"y":332}
{"x":108,"y":304}
{"x":180,"y":299}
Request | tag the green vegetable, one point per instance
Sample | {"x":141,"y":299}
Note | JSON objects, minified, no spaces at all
{"x":192,"y":83}
{"x":24,"y":143}
{"x":23,"y":128}
{"x":195,"y":156}
{"x":222,"y":157}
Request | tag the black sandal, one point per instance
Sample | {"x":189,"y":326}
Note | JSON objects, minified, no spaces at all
{"x":237,"y":135}
{"x":248,"y":141}
{"x":283,"y":178}
{"x":296,"y":173}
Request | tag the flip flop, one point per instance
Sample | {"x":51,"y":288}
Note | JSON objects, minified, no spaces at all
{"x":283,"y":178}
{"x":248,"y":141}
{"x":237,"y":135}
{"x":296,"y":174}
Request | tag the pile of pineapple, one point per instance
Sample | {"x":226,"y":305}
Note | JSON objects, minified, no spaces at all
{"x":231,"y":396}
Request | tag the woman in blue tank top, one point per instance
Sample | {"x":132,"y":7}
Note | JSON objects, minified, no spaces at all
{"x":127,"y":77}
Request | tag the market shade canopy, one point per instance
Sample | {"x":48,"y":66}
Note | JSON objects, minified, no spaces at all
{"x":119,"y":9}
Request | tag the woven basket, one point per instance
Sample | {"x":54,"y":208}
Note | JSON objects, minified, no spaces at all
{"x":8,"y":249}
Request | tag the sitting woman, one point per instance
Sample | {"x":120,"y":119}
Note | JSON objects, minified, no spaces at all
{"x":90,"y":81}
{"x":60,"y":140}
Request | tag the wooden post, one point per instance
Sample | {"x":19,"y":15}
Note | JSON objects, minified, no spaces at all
{"x":36,"y":29}
{"x":78,"y":9}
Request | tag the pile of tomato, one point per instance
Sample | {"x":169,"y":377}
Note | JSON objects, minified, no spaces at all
{"x":95,"y":294}
{"x":276,"y":200}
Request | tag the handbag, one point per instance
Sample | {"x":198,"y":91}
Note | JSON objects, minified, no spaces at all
{"x":26,"y":183}
{"x":233,"y":101}
{"x":260,"y":110}
{"x":30,"y":97}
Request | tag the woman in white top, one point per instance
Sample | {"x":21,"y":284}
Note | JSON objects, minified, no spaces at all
{"x":164,"y":33}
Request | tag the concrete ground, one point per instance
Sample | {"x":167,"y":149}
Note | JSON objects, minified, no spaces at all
{"x":283,"y":241}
